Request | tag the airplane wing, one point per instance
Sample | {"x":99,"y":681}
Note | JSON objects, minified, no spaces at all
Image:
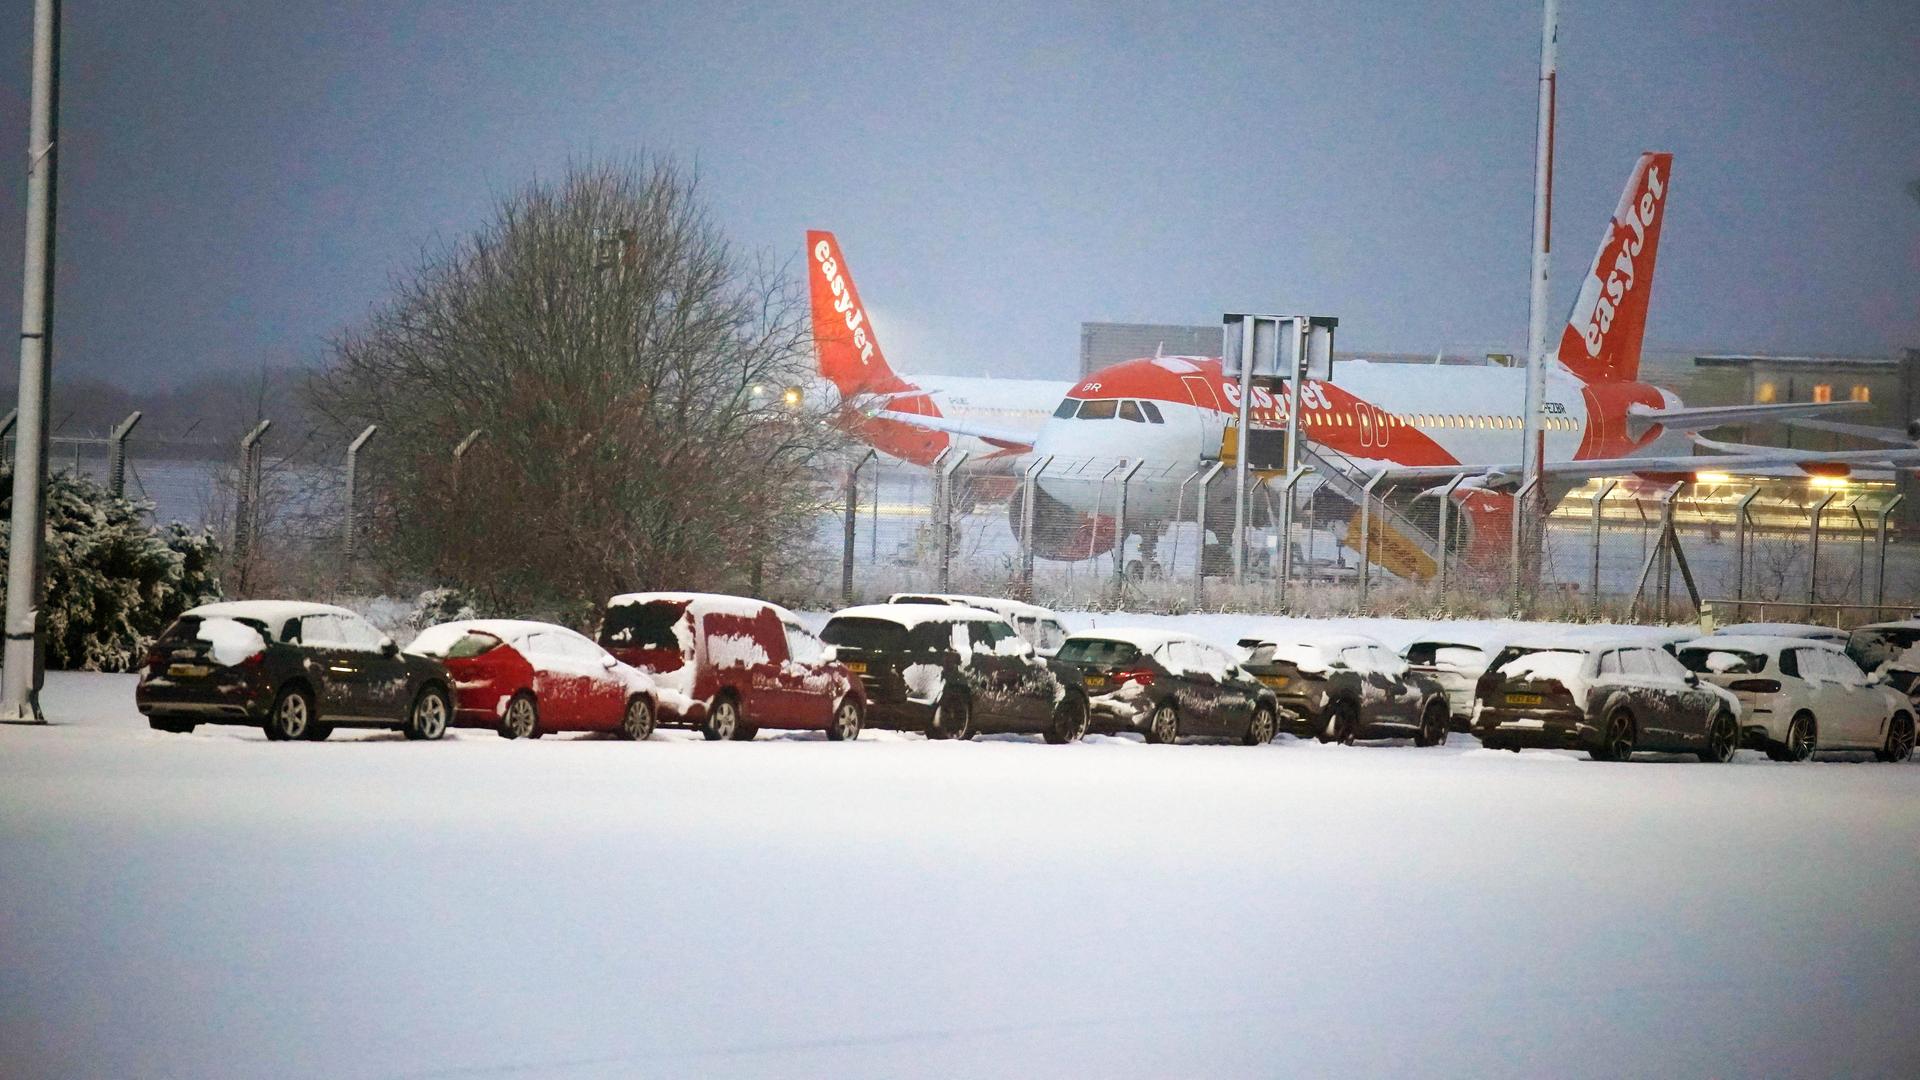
{"x":1706,"y":417}
{"x":1890,"y":436}
{"x":1001,"y":437}
{"x":1811,"y":462}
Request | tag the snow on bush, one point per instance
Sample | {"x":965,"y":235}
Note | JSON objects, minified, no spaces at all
{"x":114,"y":580}
{"x":436,"y":606}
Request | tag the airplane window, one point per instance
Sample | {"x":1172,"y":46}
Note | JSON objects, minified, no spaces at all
{"x":1130,"y":410}
{"x":1153,"y":412}
{"x":1099,"y":410}
{"x":1065,"y":411}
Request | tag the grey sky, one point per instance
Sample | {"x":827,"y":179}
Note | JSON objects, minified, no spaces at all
{"x":240,"y":179}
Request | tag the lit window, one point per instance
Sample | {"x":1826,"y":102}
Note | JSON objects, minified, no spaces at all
{"x":1822,"y":393}
{"x":1861,"y":393}
{"x":1765,"y":394}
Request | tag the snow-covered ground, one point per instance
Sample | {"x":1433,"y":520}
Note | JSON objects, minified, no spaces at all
{"x":214,"y":905}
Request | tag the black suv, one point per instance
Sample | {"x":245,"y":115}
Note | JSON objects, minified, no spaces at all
{"x":1609,"y":699}
{"x":954,"y":672}
{"x":1338,"y":688}
{"x":296,"y":670}
{"x":1165,"y":684}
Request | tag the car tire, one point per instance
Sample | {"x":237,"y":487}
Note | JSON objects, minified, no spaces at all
{"x":1616,"y":740}
{"x":521,"y":718}
{"x":1899,"y":739}
{"x":847,"y":719}
{"x":291,"y":714}
{"x":1803,"y":735}
{"x":723,"y":719}
{"x":1164,"y":725}
{"x":1723,"y":738}
{"x":428,"y":715}
{"x":636,"y":723}
{"x":1340,"y":723}
{"x":171,"y":727}
{"x":1434,"y":725}
{"x":744,"y":732}
{"x":318,"y":732}
{"x":951,"y":719}
{"x":1259,"y":729}
{"x":1069,"y":720}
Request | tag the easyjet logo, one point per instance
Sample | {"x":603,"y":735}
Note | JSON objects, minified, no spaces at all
{"x":843,"y":299}
{"x":1631,"y":236}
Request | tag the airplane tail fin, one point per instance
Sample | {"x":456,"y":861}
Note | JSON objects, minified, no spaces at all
{"x":1601,"y":342}
{"x":849,"y":353}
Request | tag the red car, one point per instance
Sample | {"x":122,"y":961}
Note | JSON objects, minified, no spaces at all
{"x":730,"y":666}
{"x":524,"y":679}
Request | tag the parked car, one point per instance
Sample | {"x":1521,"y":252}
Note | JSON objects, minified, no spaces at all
{"x":731,"y":665}
{"x":1342,"y":687}
{"x":953,"y":672}
{"x":1610,"y":699}
{"x":1798,"y":696}
{"x":1040,"y":626}
{"x":297,"y":670}
{"x":1164,"y":684}
{"x":1804,"y":631}
{"x":1457,"y":667}
{"x":1887,"y":649}
{"x":524,"y":679}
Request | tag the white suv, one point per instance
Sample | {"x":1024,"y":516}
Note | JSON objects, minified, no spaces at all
{"x":1798,"y":695}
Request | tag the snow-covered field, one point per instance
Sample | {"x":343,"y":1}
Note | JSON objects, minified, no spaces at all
{"x":214,"y":905}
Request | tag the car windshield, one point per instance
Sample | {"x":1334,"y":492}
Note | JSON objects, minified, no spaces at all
{"x":1870,"y":647}
{"x":1098,"y":651}
{"x":1515,"y":652}
{"x":1711,"y":661}
{"x":882,"y":635}
{"x":1444,"y":653}
{"x":187,"y":628}
{"x":470,"y":644}
{"x":643,"y":626}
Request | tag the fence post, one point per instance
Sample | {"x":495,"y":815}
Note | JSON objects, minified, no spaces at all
{"x":117,"y":453}
{"x":1519,"y":511}
{"x":1200,"y":541}
{"x":1667,"y":540}
{"x":460,"y":453}
{"x":1813,"y":552}
{"x":244,"y":498}
{"x":1880,"y":577}
{"x":1028,"y":494}
{"x":1285,"y":553}
{"x":1120,"y":526}
{"x":6,"y":432}
{"x":351,"y":539}
{"x":1366,"y":537}
{"x":1860,"y":550}
{"x":1446,"y":504}
{"x":853,"y":512}
{"x":1593,"y":581}
{"x":949,"y":462}
{"x":1741,"y":518}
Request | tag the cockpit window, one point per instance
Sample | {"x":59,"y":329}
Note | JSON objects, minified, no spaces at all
{"x":1099,"y":410}
{"x":1153,"y":412}
{"x":1130,"y":410}
{"x":1065,"y":411}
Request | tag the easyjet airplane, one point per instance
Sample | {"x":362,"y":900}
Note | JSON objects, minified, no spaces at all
{"x":1412,"y":422}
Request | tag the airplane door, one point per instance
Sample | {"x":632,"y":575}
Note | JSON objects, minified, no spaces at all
{"x":1213,"y":421}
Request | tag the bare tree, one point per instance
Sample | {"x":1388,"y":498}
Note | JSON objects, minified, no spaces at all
{"x":627,"y":369}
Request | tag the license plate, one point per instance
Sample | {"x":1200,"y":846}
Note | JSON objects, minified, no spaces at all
{"x":1524,"y":699}
{"x":858,"y":667}
{"x":1096,"y":680}
{"x":189,"y":671}
{"x":1275,"y":681}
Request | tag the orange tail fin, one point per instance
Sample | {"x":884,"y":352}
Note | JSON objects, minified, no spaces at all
{"x":1602,"y":340}
{"x":843,"y":338}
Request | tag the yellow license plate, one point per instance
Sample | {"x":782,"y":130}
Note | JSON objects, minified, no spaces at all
{"x":189,"y":671}
{"x":858,"y":667}
{"x":1275,"y":681}
{"x":1096,"y":680}
{"x":1524,"y":699}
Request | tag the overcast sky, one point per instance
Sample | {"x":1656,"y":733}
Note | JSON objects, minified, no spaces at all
{"x":239,"y":180}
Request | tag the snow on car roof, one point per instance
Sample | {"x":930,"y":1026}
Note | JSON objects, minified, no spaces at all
{"x":512,"y":631}
{"x":1760,"y":643}
{"x":736,"y":605}
{"x":915,"y":614}
{"x":1146,"y":639}
{"x":1328,"y":642}
{"x":274,"y":613}
{"x":984,"y":603}
{"x":1779,"y":629}
{"x":1896,"y":624}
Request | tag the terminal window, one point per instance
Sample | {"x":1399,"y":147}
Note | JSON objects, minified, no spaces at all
{"x":1822,"y":393}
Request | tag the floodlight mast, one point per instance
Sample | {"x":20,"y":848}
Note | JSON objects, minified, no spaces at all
{"x":1533,"y":438}
{"x":20,"y":680}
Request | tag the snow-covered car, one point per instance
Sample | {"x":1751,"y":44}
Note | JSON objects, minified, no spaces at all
{"x":1457,"y":667}
{"x":953,"y":672}
{"x":1798,"y":696}
{"x":731,"y":665}
{"x":524,"y":679}
{"x":1610,"y":699}
{"x":1887,"y":649}
{"x":1164,"y":684}
{"x":297,"y":670}
{"x":1039,"y":625}
{"x":1342,"y":687}
{"x":1804,"y":631}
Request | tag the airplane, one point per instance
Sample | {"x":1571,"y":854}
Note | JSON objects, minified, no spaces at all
{"x":1406,"y":423}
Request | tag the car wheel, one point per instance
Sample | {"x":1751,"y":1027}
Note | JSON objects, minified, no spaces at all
{"x":744,"y":732}
{"x":847,"y":718}
{"x":1164,"y":726}
{"x":1433,"y":725}
{"x":723,"y":719}
{"x":1069,"y":720}
{"x":1341,"y":720}
{"x":428,"y":718}
{"x":1260,"y":728}
{"x":1723,"y":738}
{"x":521,"y":719}
{"x":171,"y":727}
{"x":292,"y":713}
{"x":1803,"y":734}
{"x":1899,"y":739}
{"x":637,"y":722}
{"x":1616,"y":743}
{"x":952,"y":719}
{"x":318,"y":732}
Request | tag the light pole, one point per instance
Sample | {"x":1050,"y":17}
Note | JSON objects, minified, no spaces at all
{"x":20,"y":681}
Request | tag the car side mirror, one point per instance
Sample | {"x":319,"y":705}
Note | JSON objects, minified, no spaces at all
{"x":830,"y":654}
{"x":388,"y":647}
{"x":1693,"y":679}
